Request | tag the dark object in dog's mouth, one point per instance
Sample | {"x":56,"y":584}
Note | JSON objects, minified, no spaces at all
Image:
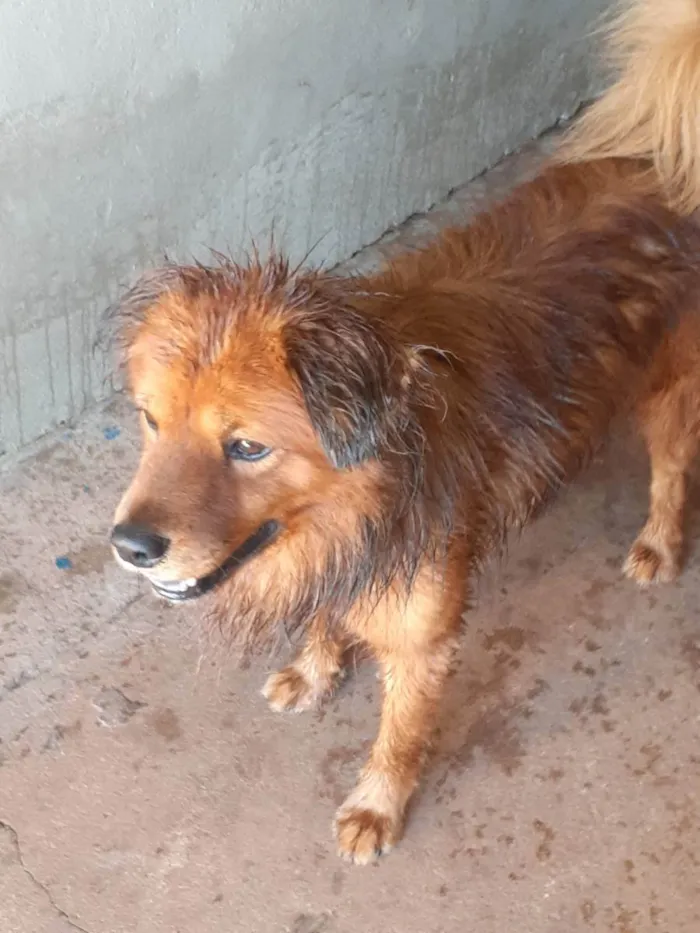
{"x":192,"y":589}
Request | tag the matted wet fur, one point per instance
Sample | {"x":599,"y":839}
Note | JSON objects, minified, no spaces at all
{"x":388,"y":431}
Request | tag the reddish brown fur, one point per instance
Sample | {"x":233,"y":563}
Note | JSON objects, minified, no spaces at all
{"x":415,"y":416}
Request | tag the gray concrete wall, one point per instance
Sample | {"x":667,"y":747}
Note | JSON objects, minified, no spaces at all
{"x":130,"y":128}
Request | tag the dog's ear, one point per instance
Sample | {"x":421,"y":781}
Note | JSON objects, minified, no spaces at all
{"x":354,"y":379}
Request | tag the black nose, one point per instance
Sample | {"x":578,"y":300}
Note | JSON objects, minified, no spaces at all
{"x":139,"y":545}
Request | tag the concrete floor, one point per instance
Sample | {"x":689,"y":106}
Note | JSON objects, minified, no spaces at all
{"x":146,"y":788}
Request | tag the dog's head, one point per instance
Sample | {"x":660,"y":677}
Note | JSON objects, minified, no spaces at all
{"x":271,"y":406}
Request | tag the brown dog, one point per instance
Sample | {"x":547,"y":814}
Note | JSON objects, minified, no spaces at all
{"x":339,"y":455}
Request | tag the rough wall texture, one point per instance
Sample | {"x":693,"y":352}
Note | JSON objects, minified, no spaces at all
{"x":132,"y":129}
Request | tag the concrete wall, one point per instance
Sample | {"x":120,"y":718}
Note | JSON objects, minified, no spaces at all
{"x":130,"y":128}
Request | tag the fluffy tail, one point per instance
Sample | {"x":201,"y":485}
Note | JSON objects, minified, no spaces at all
{"x":652,"y":111}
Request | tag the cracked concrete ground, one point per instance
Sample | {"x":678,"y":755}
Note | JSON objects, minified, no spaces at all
{"x":146,"y":788}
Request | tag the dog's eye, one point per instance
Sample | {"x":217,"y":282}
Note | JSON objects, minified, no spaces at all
{"x":245,"y":450}
{"x":150,"y":420}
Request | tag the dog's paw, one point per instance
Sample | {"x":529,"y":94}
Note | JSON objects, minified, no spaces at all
{"x":288,"y":690}
{"x":363,"y":835}
{"x":650,"y":563}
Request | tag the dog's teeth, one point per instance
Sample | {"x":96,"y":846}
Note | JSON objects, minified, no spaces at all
{"x":178,"y":587}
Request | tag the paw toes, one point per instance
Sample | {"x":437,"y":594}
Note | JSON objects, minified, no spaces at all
{"x":288,"y":690}
{"x":363,"y":835}
{"x":646,"y":564}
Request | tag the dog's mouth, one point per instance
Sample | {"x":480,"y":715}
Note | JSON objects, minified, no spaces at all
{"x":182,"y":590}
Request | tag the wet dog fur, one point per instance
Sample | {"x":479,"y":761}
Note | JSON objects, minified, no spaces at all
{"x":408,"y":420}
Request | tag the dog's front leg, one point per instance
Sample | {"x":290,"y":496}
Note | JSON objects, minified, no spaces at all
{"x":311,"y":676}
{"x":414,"y":645}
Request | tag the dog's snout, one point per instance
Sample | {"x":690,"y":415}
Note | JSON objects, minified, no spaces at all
{"x":139,"y":545}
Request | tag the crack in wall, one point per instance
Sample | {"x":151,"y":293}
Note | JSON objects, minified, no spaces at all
{"x":16,"y":845}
